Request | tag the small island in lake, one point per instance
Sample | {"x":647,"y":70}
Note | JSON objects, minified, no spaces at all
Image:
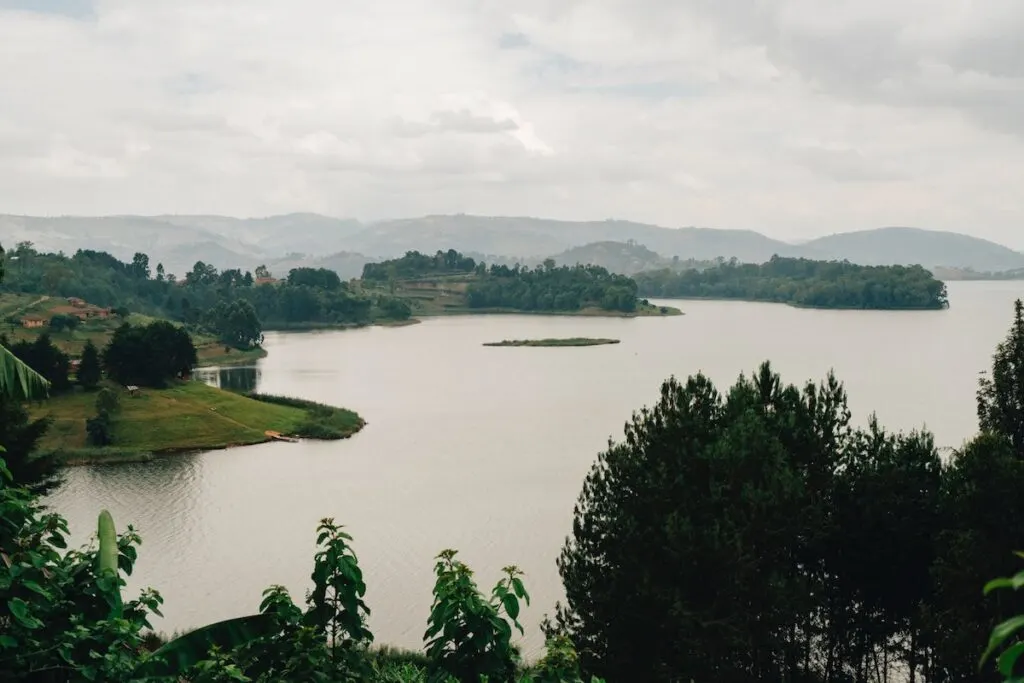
{"x":571,"y":341}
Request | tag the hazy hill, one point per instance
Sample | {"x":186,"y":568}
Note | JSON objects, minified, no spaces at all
{"x":929,"y":248}
{"x":538,"y":237}
{"x":346,"y":264}
{"x":178,"y":246}
{"x":278,"y":235}
{"x":627,"y":258}
{"x":179,"y":241}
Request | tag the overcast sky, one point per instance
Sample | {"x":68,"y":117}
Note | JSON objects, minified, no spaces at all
{"x":793,"y":117}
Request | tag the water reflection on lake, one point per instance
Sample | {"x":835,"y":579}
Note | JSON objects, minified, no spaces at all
{"x":242,"y":379}
{"x":485,"y":449}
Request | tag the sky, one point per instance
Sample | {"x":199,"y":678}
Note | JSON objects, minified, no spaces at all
{"x":795,"y":118}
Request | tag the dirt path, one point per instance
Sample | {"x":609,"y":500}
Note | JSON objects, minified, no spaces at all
{"x":20,"y":311}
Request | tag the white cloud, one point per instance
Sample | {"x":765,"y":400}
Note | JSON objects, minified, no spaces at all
{"x":795,"y":117}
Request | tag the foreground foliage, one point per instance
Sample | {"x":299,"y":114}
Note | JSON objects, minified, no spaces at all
{"x":64,"y":618}
{"x":757,"y":535}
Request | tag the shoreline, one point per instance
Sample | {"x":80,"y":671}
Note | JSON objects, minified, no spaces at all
{"x":84,"y":457}
{"x":233,"y":359}
{"x":582,"y":313}
{"x":917,"y":309}
{"x":187,"y":417}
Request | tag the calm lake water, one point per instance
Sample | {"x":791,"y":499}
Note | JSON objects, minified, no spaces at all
{"x":485,"y":449}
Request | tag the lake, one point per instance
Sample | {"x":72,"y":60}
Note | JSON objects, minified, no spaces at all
{"x":485,"y":449}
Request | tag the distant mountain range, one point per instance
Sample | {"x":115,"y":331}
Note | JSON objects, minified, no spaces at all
{"x":283,"y":242}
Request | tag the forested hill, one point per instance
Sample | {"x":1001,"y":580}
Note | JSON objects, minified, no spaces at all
{"x":457,"y":283}
{"x":203,"y":297}
{"x":803,"y":282}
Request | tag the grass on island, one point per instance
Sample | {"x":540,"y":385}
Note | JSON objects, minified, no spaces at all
{"x":571,"y":341}
{"x":186,"y":416}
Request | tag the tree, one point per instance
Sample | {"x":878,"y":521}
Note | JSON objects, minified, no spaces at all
{"x":149,"y":355}
{"x":320,"y":278}
{"x":45,"y":358}
{"x":89,"y":370}
{"x":19,"y":439}
{"x":61,"y":322}
{"x":140,"y":266}
{"x":717,"y":543}
{"x":236,"y":324}
{"x":262,"y":272}
{"x":100,"y":428}
{"x":982,"y":507}
{"x":160,"y":274}
{"x":1001,"y":396}
{"x":201,"y":274}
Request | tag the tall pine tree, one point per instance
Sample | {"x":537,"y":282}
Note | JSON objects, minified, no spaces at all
{"x":89,"y":371}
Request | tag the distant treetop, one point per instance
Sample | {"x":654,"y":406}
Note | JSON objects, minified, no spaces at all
{"x":414,"y":264}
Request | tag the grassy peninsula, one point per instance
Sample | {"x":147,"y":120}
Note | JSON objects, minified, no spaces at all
{"x":185,"y":416}
{"x":803,"y":282}
{"x":571,"y":341}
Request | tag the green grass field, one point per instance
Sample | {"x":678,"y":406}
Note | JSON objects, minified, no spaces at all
{"x":184,"y":417}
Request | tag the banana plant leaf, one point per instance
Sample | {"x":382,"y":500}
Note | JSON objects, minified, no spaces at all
{"x":181,"y":654}
{"x":18,"y":381}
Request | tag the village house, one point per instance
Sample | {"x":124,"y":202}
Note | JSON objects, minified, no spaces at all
{"x":82,"y":312}
{"x":76,"y":302}
{"x":32,"y":321}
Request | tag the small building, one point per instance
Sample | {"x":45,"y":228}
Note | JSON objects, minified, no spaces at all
{"x":82,"y":312}
{"x":33,"y":321}
{"x":266,"y":281}
{"x":76,"y":302}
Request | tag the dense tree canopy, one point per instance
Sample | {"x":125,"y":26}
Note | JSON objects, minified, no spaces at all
{"x":307,"y":296}
{"x":1001,"y":396}
{"x":756,"y":535}
{"x":321,"y":278}
{"x":414,"y":265}
{"x":90,"y":371}
{"x":803,"y":282}
{"x":149,"y":355}
{"x":43,"y":356}
{"x":550,"y":288}
{"x":236,"y":324}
